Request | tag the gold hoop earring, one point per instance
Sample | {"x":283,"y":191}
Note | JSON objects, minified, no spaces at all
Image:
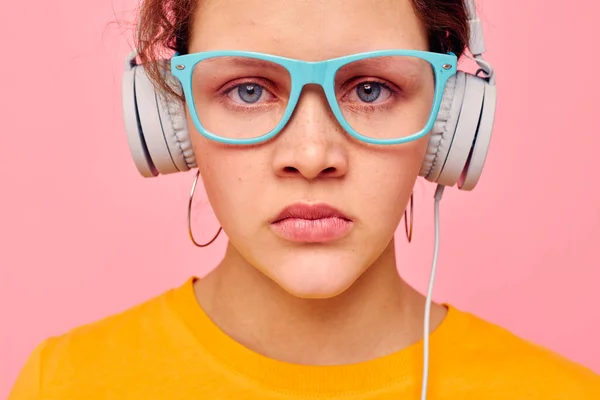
{"x":189,"y":216}
{"x":409,"y":232}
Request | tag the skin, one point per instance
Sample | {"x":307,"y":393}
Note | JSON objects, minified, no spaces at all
{"x":332,"y":303}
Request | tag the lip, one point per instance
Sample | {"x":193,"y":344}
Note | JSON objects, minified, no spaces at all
{"x":311,"y":223}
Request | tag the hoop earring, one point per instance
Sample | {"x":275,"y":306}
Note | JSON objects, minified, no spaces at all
{"x":409,"y":232}
{"x":189,"y":216}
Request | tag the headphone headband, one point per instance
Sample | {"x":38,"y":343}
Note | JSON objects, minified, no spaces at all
{"x":476,"y":41}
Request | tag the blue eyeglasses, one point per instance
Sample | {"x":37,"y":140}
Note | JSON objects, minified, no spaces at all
{"x":380,"y":97}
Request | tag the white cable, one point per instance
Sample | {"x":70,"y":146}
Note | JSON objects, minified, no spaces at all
{"x":439,"y":191}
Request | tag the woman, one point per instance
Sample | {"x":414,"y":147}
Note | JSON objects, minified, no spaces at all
{"x":309,"y":122}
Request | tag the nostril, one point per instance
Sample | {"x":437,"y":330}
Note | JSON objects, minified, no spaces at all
{"x":328,"y":171}
{"x":290,"y":170}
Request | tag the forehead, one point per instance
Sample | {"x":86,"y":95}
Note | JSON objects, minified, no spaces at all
{"x":310,"y":30}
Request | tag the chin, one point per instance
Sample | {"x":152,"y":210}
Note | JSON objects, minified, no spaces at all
{"x":316,"y":276}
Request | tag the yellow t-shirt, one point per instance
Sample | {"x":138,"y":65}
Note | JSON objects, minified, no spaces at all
{"x":167,"y":348}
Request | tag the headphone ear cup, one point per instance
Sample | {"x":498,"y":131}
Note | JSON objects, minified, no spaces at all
{"x":466,"y":130}
{"x":444,"y":128}
{"x":155,"y":123}
{"x":156,"y":126}
{"x":474,"y":168}
{"x":461,"y":135}
{"x":133,"y":128}
{"x":175,"y":129}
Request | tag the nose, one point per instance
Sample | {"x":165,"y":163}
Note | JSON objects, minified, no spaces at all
{"x":313,"y":144}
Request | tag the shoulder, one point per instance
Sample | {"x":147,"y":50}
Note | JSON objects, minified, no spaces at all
{"x":506,"y":359}
{"x":123,"y":328}
{"x":110,"y":346}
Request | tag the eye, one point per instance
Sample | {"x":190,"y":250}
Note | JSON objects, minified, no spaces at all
{"x":368,"y":91}
{"x":249,"y":93}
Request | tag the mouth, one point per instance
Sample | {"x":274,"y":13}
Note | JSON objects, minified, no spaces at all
{"x":311,"y":223}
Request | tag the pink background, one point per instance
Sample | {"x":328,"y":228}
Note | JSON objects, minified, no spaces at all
{"x":82,"y":235}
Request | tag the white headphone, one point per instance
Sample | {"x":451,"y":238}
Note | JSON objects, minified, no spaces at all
{"x":159,"y":140}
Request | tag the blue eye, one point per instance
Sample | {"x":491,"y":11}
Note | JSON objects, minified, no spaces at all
{"x":368,"y":91}
{"x":250,"y":93}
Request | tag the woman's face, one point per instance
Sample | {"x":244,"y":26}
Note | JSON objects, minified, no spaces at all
{"x":313,"y":161}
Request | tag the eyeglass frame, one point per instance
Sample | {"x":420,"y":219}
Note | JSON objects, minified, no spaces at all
{"x":321,"y":73}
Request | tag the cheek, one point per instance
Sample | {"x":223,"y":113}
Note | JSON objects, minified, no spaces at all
{"x":231,"y":177}
{"x":387,"y":179}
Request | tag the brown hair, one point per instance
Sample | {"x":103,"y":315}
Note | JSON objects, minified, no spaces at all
{"x":164,"y":27}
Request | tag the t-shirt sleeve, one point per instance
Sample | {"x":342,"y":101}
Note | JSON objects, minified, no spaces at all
{"x":28,"y":384}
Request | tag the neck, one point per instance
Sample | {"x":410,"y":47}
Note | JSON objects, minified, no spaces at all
{"x":379,"y":314}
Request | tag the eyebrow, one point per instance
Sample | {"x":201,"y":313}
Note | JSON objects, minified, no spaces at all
{"x":387,"y":61}
{"x":244,"y":61}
